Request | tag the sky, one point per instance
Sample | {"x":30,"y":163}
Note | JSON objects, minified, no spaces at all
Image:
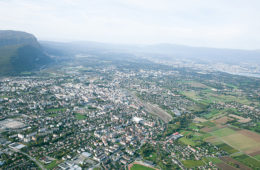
{"x":209,"y":23}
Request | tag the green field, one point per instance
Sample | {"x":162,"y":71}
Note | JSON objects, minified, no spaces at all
{"x":193,"y":138}
{"x":208,"y":96}
{"x":242,"y":142}
{"x":217,"y":112}
{"x":97,"y":168}
{"x":223,"y":132}
{"x":55,"y":110}
{"x":80,"y":116}
{"x":251,"y":162}
{"x":257,"y":157}
{"x":205,"y":135}
{"x":234,"y":141}
{"x":140,"y":167}
{"x":187,"y":141}
{"x":199,"y":137}
{"x":227,"y":148}
{"x":185,"y":133}
{"x":193,"y":126}
{"x":192,"y":163}
{"x":214,"y":160}
{"x":208,"y":124}
{"x":197,"y":84}
{"x":191,"y":94}
{"x":212,"y":113}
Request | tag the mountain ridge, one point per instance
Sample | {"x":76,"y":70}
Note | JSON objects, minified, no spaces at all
{"x":163,"y":50}
{"x":19,"y":52}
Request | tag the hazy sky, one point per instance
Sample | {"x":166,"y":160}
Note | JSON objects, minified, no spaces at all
{"x":212,"y":23}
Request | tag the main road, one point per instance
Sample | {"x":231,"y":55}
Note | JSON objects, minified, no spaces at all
{"x":31,"y":158}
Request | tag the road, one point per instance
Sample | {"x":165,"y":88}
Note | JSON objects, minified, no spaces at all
{"x":31,"y":158}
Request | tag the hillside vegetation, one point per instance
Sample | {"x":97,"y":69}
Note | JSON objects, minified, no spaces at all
{"x":20,"y":51}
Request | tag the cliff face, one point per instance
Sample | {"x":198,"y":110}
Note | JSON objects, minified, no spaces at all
{"x":20,"y":51}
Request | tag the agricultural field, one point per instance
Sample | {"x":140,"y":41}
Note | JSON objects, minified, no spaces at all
{"x":194,"y":127}
{"x":219,"y":113}
{"x":212,"y":159}
{"x":212,"y":113}
{"x":241,"y":140}
{"x":185,"y":133}
{"x":192,"y":163}
{"x":193,"y":139}
{"x":238,"y":143}
{"x":187,"y":141}
{"x":227,"y":148}
{"x":196,"y":84}
{"x":224,"y":166}
{"x":231,"y":163}
{"x":257,"y":157}
{"x":200,"y":120}
{"x":249,"y":161}
{"x":223,"y":132}
{"x":208,"y":96}
{"x":222,"y":120}
{"x":208,"y":124}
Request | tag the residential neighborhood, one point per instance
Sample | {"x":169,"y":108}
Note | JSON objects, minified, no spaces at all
{"x":108,"y":118}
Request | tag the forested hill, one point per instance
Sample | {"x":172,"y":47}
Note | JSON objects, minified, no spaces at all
{"x":20,"y":51}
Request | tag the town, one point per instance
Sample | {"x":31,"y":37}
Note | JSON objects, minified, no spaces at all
{"x":116,"y":116}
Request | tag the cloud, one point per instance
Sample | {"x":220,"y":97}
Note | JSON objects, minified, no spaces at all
{"x":215,"y":23}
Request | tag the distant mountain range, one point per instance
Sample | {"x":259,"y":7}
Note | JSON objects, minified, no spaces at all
{"x":19,"y":52}
{"x":159,"y":51}
{"x":206,"y":55}
{"x":234,"y":61}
